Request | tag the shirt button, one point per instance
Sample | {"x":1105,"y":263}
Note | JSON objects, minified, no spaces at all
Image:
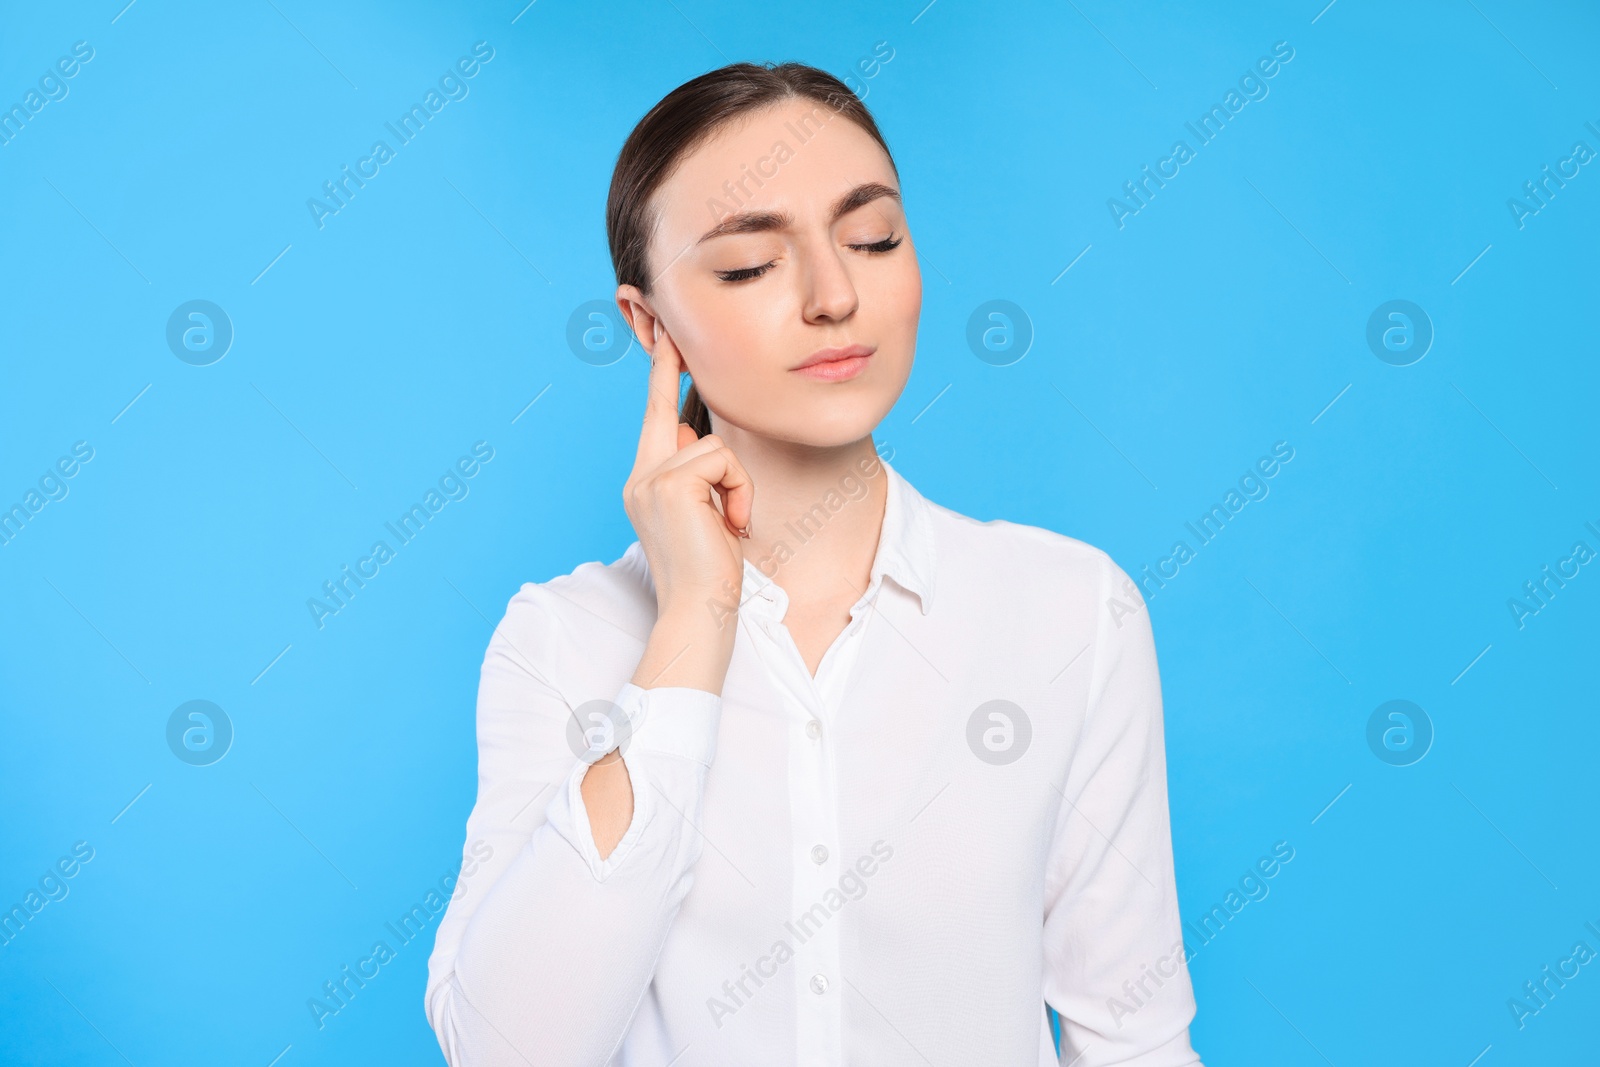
{"x":819,"y":854}
{"x":819,"y":983}
{"x":814,"y":729}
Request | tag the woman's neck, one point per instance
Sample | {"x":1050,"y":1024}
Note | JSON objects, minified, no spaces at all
{"x":817,"y":517}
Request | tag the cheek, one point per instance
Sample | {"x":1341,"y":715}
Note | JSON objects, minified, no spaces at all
{"x":913,"y":300}
{"x":724,"y":346}
{"x":897,"y":303}
{"x":901,"y":291}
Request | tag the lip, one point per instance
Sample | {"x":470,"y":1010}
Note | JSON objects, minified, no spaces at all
{"x":837,"y":364}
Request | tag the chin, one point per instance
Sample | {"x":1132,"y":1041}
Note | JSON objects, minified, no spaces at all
{"x":812,"y":424}
{"x":838,"y":421}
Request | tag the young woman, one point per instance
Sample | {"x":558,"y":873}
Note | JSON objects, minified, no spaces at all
{"x":819,"y":771}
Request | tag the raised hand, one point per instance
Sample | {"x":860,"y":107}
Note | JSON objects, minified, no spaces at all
{"x":672,"y":498}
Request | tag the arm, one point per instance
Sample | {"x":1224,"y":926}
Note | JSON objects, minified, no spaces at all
{"x":545,"y":953}
{"x":687,"y":653}
{"x":548,"y":965}
{"x":1114,"y":959}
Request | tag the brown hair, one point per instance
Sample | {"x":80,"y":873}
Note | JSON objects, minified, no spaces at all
{"x":683,"y":120}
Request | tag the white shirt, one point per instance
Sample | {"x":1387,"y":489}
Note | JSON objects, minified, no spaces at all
{"x":875,"y":866}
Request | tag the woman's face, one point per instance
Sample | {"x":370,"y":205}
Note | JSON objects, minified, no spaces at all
{"x":778,"y":239}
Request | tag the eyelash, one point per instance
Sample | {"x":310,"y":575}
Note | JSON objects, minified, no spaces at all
{"x":744,"y":274}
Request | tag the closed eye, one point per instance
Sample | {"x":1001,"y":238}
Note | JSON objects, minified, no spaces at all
{"x":888,"y":244}
{"x":744,"y":274}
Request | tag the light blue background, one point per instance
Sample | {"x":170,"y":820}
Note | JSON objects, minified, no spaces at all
{"x":1223,"y":317}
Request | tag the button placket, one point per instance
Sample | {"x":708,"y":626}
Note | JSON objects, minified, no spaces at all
{"x":813,"y":821}
{"x":813,"y":809}
{"x":825,"y":973}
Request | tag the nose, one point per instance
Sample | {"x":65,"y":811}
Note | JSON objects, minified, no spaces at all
{"x":830,"y":294}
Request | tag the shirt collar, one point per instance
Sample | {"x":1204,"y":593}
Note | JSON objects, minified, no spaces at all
{"x":905,"y":550}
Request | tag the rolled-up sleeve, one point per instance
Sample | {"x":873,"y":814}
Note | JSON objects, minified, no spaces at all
{"x":1114,"y":956}
{"x":546,"y":949}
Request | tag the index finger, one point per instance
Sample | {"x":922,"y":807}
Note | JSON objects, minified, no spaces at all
{"x":658,"y":438}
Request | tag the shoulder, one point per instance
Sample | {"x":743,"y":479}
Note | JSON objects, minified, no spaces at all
{"x":1024,"y":557}
{"x":1014,"y":586}
{"x":582,"y":625}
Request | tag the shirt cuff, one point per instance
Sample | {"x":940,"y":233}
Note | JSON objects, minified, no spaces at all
{"x":672,"y":720}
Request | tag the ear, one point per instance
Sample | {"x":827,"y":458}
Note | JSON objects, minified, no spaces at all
{"x":638,"y":314}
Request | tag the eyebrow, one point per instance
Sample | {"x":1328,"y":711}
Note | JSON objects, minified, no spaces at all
{"x":762,"y":221}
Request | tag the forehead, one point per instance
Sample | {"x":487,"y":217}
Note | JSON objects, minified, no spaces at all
{"x":795,"y":155}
